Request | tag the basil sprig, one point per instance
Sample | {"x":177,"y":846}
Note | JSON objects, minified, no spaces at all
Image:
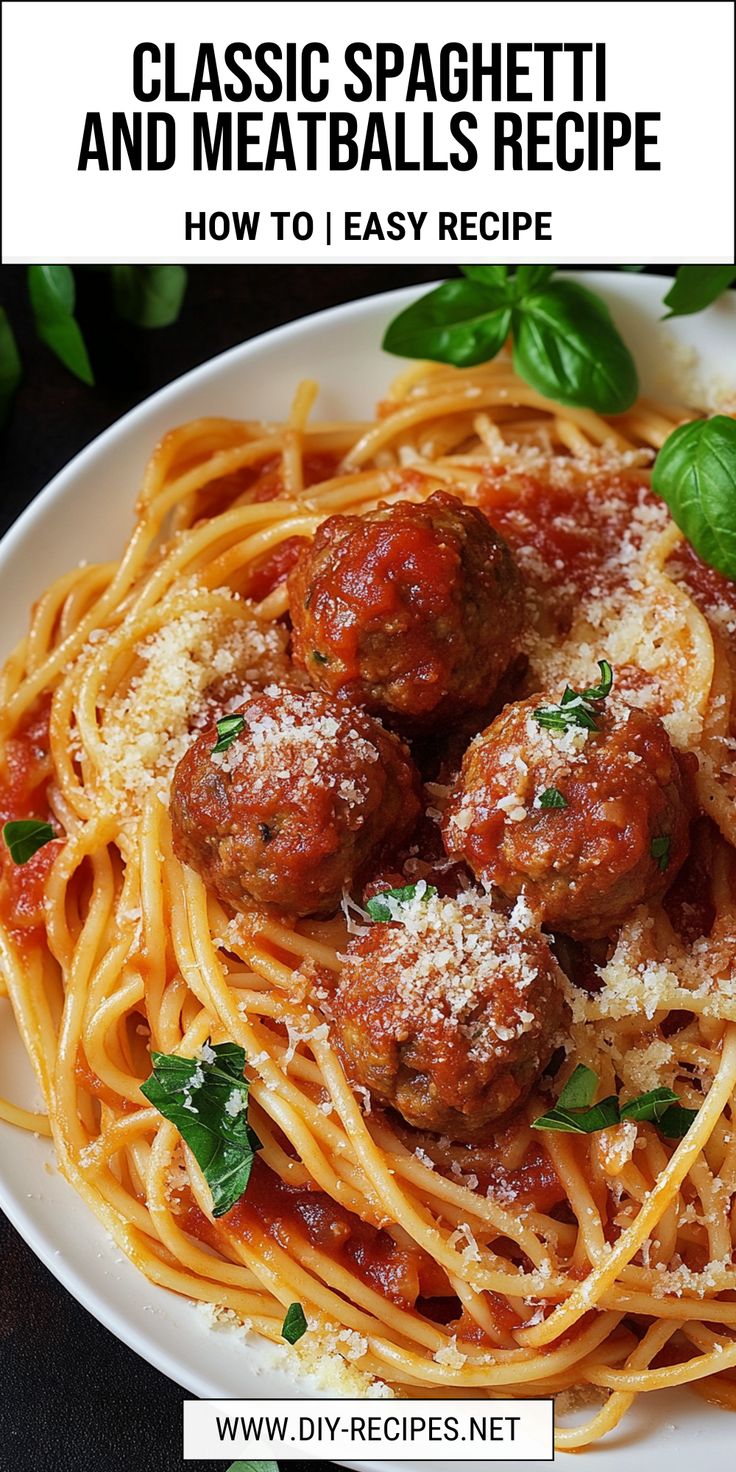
{"x":695,"y":287}
{"x":207,"y":1099}
{"x":695,"y":473}
{"x":53,"y":294}
{"x":25,"y":836}
{"x":565,"y":343}
{"x":378,"y":909}
{"x":576,"y":1114}
{"x":295,"y":1323}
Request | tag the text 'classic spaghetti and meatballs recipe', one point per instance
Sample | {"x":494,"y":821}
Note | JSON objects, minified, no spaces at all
{"x":367,"y":902}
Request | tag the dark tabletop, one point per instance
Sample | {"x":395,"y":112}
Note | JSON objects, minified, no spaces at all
{"x":72,"y":1398}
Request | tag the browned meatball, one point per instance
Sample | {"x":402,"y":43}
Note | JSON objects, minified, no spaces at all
{"x":587,"y":824}
{"x":411,"y":610}
{"x":293,"y":809}
{"x":449,"y":1013}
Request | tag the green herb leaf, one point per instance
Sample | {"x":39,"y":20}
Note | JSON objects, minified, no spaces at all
{"x":149,"y":296}
{"x":552,"y":798}
{"x":572,"y":712}
{"x":319,"y":657}
{"x":25,"y":836}
{"x":295,"y":1323}
{"x":579,"y":1089}
{"x":228,"y":727}
{"x":207,"y":1099}
{"x":461,"y":322}
{"x":676,"y":1121}
{"x":695,"y":287}
{"x":253,"y":1467}
{"x":530,"y":278}
{"x":695,"y":473}
{"x":378,"y":909}
{"x":649,"y":1106}
{"x":567,"y":347}
{"x":487,"y":275}
{"x":10,"y":366}
{"x":659,"y":849}
{"x":52,"y":293}
{"x":602,"y":690}
{"x":582,"y":1122}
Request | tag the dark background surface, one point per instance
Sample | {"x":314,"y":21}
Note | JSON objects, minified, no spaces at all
{"x":72,"y":1398}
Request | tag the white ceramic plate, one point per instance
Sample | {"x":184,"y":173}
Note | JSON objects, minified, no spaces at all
{"x":85,"y":513}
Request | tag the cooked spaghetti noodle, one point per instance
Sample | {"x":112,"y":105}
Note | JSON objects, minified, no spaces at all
{"x":544,"y":1261}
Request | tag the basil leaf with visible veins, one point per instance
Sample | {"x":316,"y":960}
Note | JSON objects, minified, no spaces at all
{"x":207,"y":1099}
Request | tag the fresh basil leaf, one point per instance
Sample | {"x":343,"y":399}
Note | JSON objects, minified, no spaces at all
{"x":25,"y":836}
{"x":695,"y":473}
{"x":487,"y":275}
{"x":52,"y":293}
{"x":295,"y":1323}
{"x":461,"y":322}
{"x":567,"y":347}
{"x":552,"y":798}
{"x":579,"y":1089}
{"x":10,"y":365}
{"x":649,"y":1106}
{"x":379,"y":910}
{"x":530,"y":278}
{"x":582,"y":1122}
{"x":207,"y":1099}
{"x":695,"y":287}
{"x":676,"y":1121}
{"x":149,"y":296}
{"x":228,"y":727}
{"x":253,"y":1467}
{"x":659,"y":849}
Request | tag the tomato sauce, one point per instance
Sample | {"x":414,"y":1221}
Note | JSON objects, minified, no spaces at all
{"x":566,"y":536}
{"x":272,"y":568}
{"x":291,"y":1215}
{"x":23,"y":794}
{"x":264,"y":482}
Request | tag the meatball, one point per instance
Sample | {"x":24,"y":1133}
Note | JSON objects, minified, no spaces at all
{"x":586,"y":824}
{"x":449,"y":1012}
{"x":410,"y":610}
{"x":299,"y":802}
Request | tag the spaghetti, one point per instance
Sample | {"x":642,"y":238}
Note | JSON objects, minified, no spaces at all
{"x":558,"y":1261}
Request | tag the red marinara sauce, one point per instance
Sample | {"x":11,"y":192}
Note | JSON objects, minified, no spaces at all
{"x":291,"y":1215}
{"x":567,"y":534}
{"x":24,"y":778}
{"x":263,"y":482}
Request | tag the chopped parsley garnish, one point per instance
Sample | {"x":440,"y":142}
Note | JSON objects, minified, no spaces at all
{"x":575,"y":1113}
{"x":25,"y":836}
{"x":319,"y":657}
{"x":379,"y":909}
{"x":575,"y":707}
{"x":207,"y":1099}
{"x":228,"y":727}
{"x":660,"y":850}
{"x":295,"y":1323}
{"x":552,"y":798}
